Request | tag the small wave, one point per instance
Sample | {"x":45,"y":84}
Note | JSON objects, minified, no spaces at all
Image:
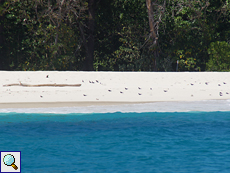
{"x":206,"y":106}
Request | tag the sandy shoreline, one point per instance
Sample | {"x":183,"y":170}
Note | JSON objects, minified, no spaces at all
{"x":109,"y":88}
{"x":63,"y":104}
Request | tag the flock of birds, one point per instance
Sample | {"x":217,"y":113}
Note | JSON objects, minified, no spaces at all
{"x":164,"y":90}
{"x":139,"y":88}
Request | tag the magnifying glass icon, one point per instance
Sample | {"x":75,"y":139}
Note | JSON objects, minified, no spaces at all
{"x":9,"y":160}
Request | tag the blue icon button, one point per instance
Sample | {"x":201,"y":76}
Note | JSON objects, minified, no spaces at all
{"x":10,"y":161}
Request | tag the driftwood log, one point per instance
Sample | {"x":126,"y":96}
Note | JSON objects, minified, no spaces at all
{"x":43,"y":85}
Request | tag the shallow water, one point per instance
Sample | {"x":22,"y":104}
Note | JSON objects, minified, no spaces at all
{"x":119,"y":142}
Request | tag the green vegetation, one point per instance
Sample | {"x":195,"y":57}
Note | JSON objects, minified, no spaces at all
{"x":117,"y":35}
{"x":219,"y":56}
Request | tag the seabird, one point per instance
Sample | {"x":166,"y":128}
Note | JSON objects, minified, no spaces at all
{"x":126,"y":88}
{"x":139,"y":93}
{"x":224,"y":83}
{"x":47,"y":76}
{"x":109,"y":90}
{"x":192,"y":84}
{"x":221,"y":94}
{"x":206,"y":83}
{"x":219,"y":85}
{"x":150,"y":88}
{"x":82,"y":80}
{"x":121,"y":92}
{"x":139,"y":88}
{"x":97,"y":81}
{"x":84,"y":95}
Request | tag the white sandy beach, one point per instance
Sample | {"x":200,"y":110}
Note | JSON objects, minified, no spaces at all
{"x":109,"y":88}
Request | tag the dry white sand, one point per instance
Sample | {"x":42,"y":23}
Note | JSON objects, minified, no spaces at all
{"x":103,"y":88}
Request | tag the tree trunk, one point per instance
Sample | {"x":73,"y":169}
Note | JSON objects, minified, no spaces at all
{"x":1,"y":37}
{"x":151,"y":19}
{"x":1,"y":31}
{"x":1,"y":25}
{"x":152,"y":32}
{"x":88,"y":66}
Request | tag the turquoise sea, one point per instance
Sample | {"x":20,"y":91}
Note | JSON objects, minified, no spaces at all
{"x":120,"y":142}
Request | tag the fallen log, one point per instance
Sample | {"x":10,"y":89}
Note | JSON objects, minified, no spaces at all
{"x":43,"y":85}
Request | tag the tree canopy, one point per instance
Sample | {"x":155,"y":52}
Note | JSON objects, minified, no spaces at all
{"x":116,"y":35}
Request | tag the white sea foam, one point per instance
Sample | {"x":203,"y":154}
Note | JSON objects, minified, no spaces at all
{"x":206,"y":106}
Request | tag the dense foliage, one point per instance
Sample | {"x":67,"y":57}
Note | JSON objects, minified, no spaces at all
{"x":115,"y":35}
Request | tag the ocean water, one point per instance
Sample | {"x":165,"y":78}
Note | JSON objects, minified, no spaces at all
{"x":173,"y":141}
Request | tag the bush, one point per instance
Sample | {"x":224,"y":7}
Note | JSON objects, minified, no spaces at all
{"x":219,"y":52}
